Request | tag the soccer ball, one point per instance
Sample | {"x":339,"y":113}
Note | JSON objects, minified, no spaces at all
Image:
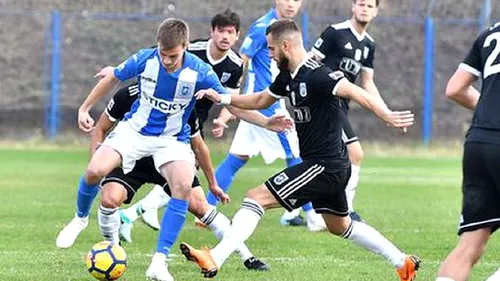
{"x":106,"y":261}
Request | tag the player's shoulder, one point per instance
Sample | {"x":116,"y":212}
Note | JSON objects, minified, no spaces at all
{"x":146,"y":53}
{"x":370,"y":38}
{"x":194,"y":62}
{"x":264,"y":21}
{"x":235,"y":57}
{"x":345,"y":25}
{"x":198,"y":45}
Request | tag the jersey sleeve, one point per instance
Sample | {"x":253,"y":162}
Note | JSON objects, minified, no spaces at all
{"x":472,"y":63}
{"x":211,"y":81}
{"x":234,"y":80}
{"x":278,"y":88}
{"x":325,"y":81}
{"x":132,"y":66}
{"x":194,"y":123}
{"x":121,"y":102}
{"x":254,"y":41}
{"x":368,"y":65}
{"x":325,"y":43}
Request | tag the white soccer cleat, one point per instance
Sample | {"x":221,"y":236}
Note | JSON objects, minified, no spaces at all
{"x":126,"y":231}
{"x":316,"y":223}
{"x":66,"y":238}
{"x":158,"y":271}
{"x":150,"y":217}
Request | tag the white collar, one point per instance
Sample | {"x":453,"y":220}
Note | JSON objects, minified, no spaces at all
{"x":294,"y":73}
{"x":358,"y":36}
{"x":209,"y":57}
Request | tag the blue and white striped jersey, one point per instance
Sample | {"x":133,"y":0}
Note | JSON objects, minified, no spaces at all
{"x":262,"y":70}
{"x":166,"y":99}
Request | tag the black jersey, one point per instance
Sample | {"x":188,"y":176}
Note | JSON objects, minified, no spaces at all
{"x":229,"y":70}
{"x":123,"y":100}
{"x":483,"y":61}
{"x":316,"y":110}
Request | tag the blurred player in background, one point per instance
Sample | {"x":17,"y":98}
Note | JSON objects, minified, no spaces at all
{"x":481,"y":159}
{"x":250,"y":140}
{"x":348,"y":47}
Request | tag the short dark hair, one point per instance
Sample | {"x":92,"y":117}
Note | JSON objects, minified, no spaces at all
{"x":282,"y":27}
{"x":226,"y":18}
{"x":377,"y":2}
{"x":172,"y":33}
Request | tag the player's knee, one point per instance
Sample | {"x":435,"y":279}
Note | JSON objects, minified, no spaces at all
{"x":93,"y":175}
{"x":198,"y":206}
{"x":181,"y":189}
{"x":112,"y":196}
{"x":337,"y":225}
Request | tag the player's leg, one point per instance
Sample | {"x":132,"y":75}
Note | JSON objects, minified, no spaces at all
{"x":219,"y":223}
{"x":147,"y":208}
{"x":102,"y":162}
{"x":176,"y":163}
{"x":480,"y":212}
{"x":242,"y":148}
{"x":355,"y":152}
{"x":113,"y":194}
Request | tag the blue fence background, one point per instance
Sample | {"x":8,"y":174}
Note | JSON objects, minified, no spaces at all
{"x":67,"y":34}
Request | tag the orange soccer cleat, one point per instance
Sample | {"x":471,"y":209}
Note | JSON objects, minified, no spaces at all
{"x":202,"y":258}
{"x":409,"y":270}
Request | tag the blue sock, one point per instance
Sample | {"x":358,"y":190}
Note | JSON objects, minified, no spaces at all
{"x":292,"y":162}
{"x":171,"y":224}
{"x":225,"y":174}
{"x":85,"y":197}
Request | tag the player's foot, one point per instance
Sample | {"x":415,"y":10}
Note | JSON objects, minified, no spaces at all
{"x":150,"y":217}
{"x":409,"y":270}
{"x":316,"y":223}
{"x":356,"y":217}
{"x":202,"y":258}
{"x":66,"y":238}
{"x":295,"y":221}
{"x":256,"y":264}
{"x":126,"y":231}
{"x":199,"y":223}
{"x":158,"y":271}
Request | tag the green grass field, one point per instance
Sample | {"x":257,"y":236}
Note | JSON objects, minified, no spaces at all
{"x":413,"y":200}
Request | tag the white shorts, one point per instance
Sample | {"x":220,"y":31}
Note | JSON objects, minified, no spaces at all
{"x":250,"y":140}
{"x":133,"y":146}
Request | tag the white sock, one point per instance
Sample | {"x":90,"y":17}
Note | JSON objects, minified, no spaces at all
{"x":109,"y":223}
{"x":352,"y":184}
{"x":219,"y":223}
{"x":155,"y":199}
{"x":449,"y":279}
{"x":311,"y":215}
{"x":244,"y":223}
{"x":369,"y":238}
{"x":290,"y":215}
{"x":494,"y":277}
{"x":160,"y":258}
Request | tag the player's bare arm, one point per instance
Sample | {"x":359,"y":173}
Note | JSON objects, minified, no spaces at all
{"x":85,"y":121}
{"x":102,"y":127}
{"x":398,"y":119}
{"x":368,"y":83}
{"x":460,"y":89}
{"x":220,"y":123}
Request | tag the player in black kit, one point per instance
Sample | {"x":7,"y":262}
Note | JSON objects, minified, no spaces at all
{"x":348,"y":47}
{"x":481,"y":159}
{"x":314,"y":92}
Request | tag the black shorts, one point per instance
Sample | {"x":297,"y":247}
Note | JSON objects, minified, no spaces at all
{"x":316,"y":181}
{"x":143,"y":172}
{"x":348,"y":135}
{"x":480,"y":187}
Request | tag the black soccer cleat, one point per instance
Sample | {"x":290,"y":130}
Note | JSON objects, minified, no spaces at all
{"x":297,"y":221}
{"x":256,"y":264}
{"x":356,"y":217}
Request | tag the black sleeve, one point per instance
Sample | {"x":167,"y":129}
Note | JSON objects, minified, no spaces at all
{"x":278,"y":88}
{"x":473,"y":62}
{"x":234,"y":80}
{"x":324,"y":81}
{"x":325,"y":43}
{"x":371,"y":58}
{"x":194,"y":123}
{"x":122,"y":102}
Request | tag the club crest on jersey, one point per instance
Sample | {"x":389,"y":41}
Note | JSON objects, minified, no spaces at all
{"x":303,"y":90}
{"x":185,"y":90}
{"x":281,"y":178}
{"x":225,"y":77}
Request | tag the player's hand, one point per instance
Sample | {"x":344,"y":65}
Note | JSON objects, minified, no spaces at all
{"x":85,"y":121}
{"x":219,"y":127}
{"x":210,"y":94}
{"x":104,"y":72}
{"x":279,"y":123}
{"x":400,"y":119}
{"x":220,"y":194}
